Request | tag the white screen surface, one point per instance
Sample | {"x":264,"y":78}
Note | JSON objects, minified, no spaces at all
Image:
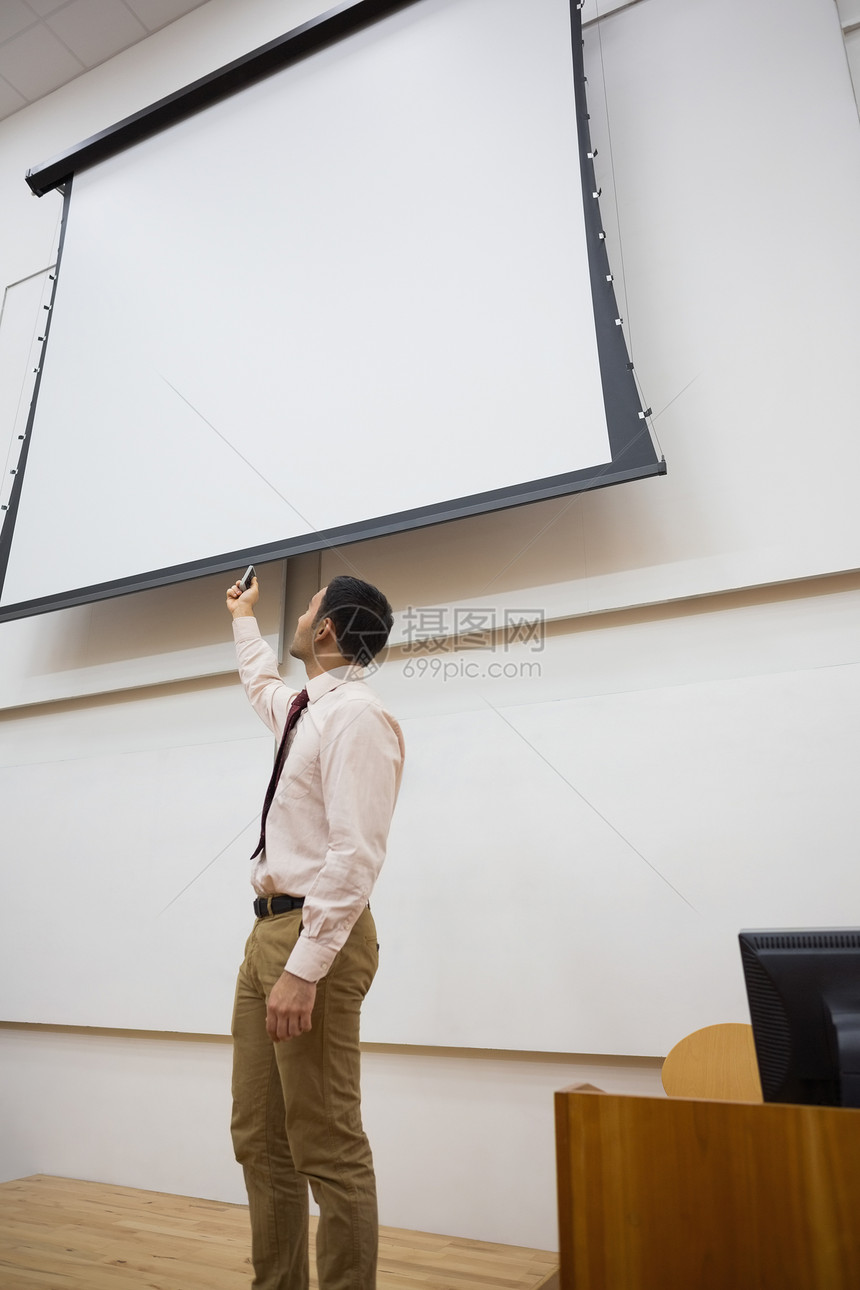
{"x":358,"y":288}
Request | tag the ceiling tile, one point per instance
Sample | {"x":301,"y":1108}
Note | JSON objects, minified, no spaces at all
{"x":95,"y":30}
{"x":14,"y":17}
{"x":44,"y":7}
{"x":158,"y":13}
{"x":35,"y":62}
{"x":10,"y":100}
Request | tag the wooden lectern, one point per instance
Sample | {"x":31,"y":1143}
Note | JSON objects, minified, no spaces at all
{"x":681,"y":1194}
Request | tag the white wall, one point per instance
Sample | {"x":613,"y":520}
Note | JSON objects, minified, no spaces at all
{"x":719,"y":751}
{"x":463,"y":1142}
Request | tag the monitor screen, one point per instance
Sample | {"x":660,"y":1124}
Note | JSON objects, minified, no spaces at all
{"x":803,"y":988}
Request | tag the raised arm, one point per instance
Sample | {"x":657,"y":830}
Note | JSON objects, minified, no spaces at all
{"x":258,"y":667}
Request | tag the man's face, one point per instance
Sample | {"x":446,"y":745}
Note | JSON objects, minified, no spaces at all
{"x":302,"y":647}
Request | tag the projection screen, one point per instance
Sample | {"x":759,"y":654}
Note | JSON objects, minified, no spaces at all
{"x":351,"y":284}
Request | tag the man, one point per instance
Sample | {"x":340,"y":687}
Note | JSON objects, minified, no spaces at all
{"x":312,"y":953}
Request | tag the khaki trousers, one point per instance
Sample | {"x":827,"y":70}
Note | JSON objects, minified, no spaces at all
{"x":297,"y":1116}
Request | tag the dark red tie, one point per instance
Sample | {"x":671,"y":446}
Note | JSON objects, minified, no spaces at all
{"x":297,"y":707}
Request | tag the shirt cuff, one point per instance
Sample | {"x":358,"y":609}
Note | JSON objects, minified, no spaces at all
{"x":246,"y":628}
{"x":309,"y":960}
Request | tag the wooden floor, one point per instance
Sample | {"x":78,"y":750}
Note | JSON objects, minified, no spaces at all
{"x":61,"y":1234}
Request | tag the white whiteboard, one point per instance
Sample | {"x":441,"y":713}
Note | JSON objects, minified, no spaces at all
{"x":119,"y":808}
{"x":572,"y":856}
{"x":576,"y":850}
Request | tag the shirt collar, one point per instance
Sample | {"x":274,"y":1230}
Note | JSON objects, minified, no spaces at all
{"x":320,"y":685}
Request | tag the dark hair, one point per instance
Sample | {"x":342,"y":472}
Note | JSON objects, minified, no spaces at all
{"x":361,"y":617}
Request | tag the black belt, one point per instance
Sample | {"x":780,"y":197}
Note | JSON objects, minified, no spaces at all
{"x":265,"y":905}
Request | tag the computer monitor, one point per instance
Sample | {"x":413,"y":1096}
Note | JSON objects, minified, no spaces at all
{"x":803,"y":988}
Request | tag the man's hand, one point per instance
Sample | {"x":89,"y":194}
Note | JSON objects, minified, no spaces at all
{"x":289,"y":1007}
{"x":241,"y":603}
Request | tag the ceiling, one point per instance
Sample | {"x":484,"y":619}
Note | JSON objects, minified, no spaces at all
{"x":46,"y":43}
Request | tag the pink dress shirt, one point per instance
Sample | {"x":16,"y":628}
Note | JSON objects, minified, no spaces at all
{"x":328,"y":824}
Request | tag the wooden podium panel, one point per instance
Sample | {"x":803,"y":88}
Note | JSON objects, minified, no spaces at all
{"x":680,"y":1194}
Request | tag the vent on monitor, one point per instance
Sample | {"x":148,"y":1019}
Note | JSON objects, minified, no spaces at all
{"x":824,"y":940}
{"x":772,"y":1035}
